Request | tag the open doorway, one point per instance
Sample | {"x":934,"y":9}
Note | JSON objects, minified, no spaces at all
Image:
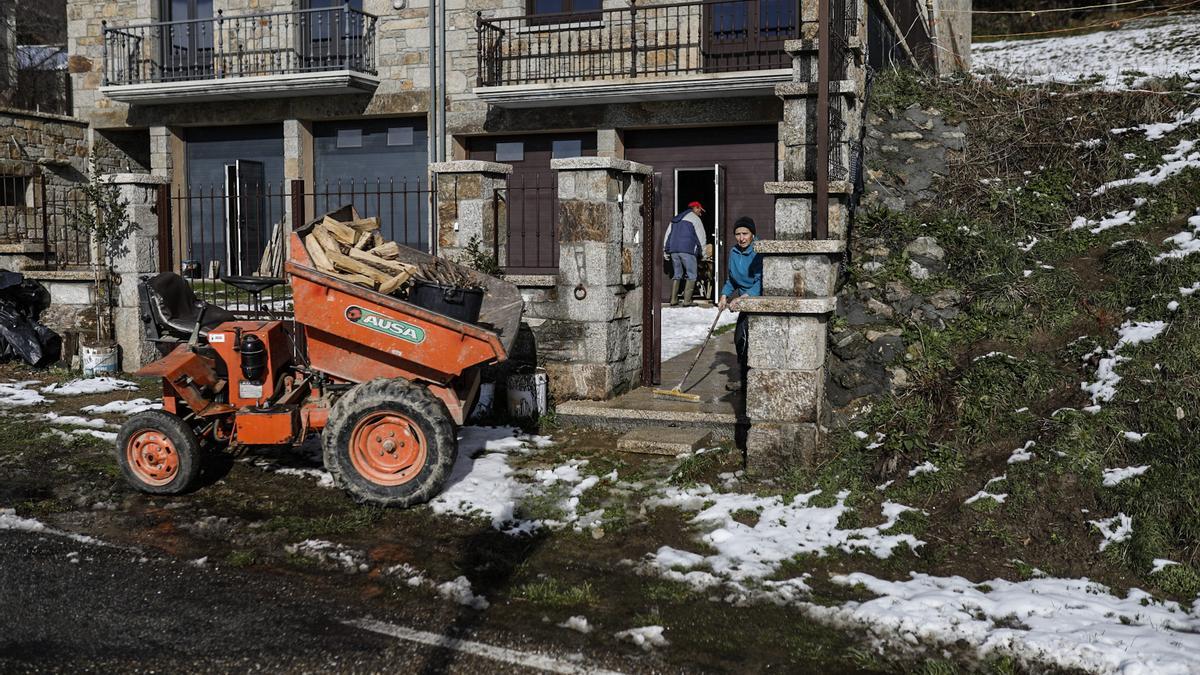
{"x":702,"y":184}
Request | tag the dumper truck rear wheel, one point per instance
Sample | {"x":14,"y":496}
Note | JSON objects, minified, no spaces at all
{"x":158,"y":453}
{"x":390,"y":442}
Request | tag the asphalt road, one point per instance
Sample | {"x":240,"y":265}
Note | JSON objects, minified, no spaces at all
{"x":69,"y":606}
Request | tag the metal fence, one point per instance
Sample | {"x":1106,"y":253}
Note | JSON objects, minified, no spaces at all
{"x":39,"y":218}
{"x":210,"y":232}
{"x":529,"y":209}
{"x":709,"y":36}
{"x":275,"y":43}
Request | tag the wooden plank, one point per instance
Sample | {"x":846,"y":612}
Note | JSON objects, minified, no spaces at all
{"x":342,"y":232}
{"x":347,"y":264}
{"x":388,"y":250}
{"x":390,"y":266}
{"x":395,"y":282}
{"x":320,"y":260}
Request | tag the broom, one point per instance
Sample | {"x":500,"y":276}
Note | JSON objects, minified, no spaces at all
{"x":677,"y":393}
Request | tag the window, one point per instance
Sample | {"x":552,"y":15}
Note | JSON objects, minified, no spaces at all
{"x":399,"y":136}
{"x":565,"y":149}
{"x":13,"y":189}
{"x":585,"y":10}
{"x":349,"y":138}
{"x":510,"y":152}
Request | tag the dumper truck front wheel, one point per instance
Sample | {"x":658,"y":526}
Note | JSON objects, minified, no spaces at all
{"x":158,"y":453}
{"x":389,"y":442}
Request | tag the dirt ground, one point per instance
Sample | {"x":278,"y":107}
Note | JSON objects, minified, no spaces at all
{"x":244,"y":521}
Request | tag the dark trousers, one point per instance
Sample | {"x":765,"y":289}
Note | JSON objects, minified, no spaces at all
{"x":741,"y":342}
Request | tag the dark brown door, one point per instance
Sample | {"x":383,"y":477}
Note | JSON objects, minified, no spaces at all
{"x":749,"y":34}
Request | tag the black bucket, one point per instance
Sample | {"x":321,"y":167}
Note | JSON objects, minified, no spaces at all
{"x":452,"y":301}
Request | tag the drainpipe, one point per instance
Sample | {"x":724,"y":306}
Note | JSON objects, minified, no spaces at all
{"x":434,"y":146}
{"x":442,"y":80}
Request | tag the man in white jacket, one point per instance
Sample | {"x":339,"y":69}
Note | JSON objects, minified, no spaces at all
{"x":682,"y":245}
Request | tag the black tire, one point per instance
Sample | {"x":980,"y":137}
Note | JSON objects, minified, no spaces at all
{"x":389,"y":405}
{"x":153,"y":466}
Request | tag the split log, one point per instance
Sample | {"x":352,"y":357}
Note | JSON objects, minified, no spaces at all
{"x":347,"y":264}
{"x":365,"y":224}
{"x":389,"y":251}
{"x":364,"y":240}
{"x":340,"y":231}
{"x":391,"y":266}
{"x":395,"y":282}
{"x":320,"y":260}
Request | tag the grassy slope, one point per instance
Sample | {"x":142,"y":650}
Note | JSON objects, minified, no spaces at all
{"x":967,"y":415}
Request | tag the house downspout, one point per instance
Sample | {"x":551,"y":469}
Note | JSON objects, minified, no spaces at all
{"x":442,"y":80}
{"x":431,"y":141}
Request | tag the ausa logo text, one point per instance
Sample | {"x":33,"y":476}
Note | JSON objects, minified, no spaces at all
{"x":385,"y":325}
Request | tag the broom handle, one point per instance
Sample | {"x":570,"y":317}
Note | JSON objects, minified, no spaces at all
{"x":702,"y":346}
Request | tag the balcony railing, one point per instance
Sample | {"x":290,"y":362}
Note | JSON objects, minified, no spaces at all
{"x":277,"y":43}
{"x":642,"y":40}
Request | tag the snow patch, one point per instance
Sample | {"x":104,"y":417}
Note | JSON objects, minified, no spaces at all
{"x":924,"y":467}
{"x":130,"y":407}
{"x":335,"y":555}
{"x":1022,"y":454}
{"x":1182,"y":156}
{"x":1114,"y":530}
{"x":460,"y":591}
{"x":19,"y":394}
{"x":93,"y":385}
{"x":1130,"y":333}
{"x":1114,"y":477}
{"x":685,"y":327}
{"x":577,"y":623}
{"x":646,"y":637}
{"x":1186,"y":243}
{"x":1070,"y":624}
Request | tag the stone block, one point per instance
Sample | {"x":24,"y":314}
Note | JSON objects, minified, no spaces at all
{"x":784,"y":395}
{"x":605,"y":342}
{"x":586,"y":380}
{"x":772,"y":449}
{"x":664,"y":440}
{"x":591,"y":263}
{"x":793,"y":217}
{"x":557,"y":340}
{"x":780,"y":342}
{"x":589,"y":221}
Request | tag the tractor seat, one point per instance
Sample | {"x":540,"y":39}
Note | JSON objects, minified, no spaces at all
{"x":175,"y":308}
{"x":252,"y":285}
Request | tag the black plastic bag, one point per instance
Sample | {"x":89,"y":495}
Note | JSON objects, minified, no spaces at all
{"x":22,"y":302}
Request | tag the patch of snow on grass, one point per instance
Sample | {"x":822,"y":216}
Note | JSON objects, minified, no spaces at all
{"x":924,"y":467}
{"x":93,"y":385}
{"x":984,"y":494}
{"x":130,"y":407}
{"x":18,"y":393}
{"x":1115,"y":219}
{"x":1022,"y":454}
{"x":782,"y":530}
{"x":75,"y":421}
{"x":9,"y":520}
{"x":481,"y":482}
{"x":1114,"y":530}
{"x":577,"y":623}
{"x":1161,"y":564}
{"x":1186,"y":243}
{"x":1134,"y":437}
{"x":646,"y":637}
{"x":1157,"y":130}
{"x":1130,"y":333}
{"x":1068,"y":624}
{"x":685,"y":327}
{"x":1113,"y":477}
{"x":109,"y":436}
{"x":1183,"y":156}
{"x":1156,"y":47}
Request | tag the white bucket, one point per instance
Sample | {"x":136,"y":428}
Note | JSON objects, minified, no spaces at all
{"x":98,"y":360}
{"x":485,"y":401}
{"x":527,"y":394}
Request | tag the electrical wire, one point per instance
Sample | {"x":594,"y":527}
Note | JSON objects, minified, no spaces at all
{"x":1107,"y":5}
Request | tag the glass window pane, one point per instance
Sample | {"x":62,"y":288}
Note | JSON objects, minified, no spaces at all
{"x":510,"y":152}
{"x":400,"y":136}
{"x":549,"y":6}
{"x":349,"y":138}
{"x":585,"y":5}
{"x":565,"y":149}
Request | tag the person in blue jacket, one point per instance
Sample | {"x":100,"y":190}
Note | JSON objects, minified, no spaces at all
{"x":744,"y":278}
{"x":683,"y":243}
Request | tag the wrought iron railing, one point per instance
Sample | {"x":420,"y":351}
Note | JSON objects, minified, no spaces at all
{"x":641,"y":40}
{"x":276,"y":43}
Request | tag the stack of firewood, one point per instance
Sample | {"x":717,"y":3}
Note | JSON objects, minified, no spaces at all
{"x":355,"y":251}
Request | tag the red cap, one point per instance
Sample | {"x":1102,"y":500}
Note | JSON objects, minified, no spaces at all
{"x":696,"y":205}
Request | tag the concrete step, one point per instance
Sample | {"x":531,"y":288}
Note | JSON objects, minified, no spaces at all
{"x":599,"y":415}
{"x":664,"y":440}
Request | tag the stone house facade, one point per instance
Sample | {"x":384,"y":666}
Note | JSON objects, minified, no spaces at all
{"x":562,"y":134}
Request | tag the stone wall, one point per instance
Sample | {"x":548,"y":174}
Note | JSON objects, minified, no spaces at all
{"x":42,"y":144}
{"x":908,"y":151}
